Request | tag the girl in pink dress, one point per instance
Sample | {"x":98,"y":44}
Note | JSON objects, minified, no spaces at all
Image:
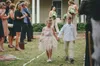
{"x":48,"y":40}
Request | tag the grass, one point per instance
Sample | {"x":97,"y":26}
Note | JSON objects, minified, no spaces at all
{"x":31,"y":51}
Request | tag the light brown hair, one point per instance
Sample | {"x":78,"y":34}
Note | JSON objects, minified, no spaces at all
{"x":12,"y":6}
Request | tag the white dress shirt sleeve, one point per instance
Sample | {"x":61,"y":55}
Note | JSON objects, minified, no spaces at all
{"x":61,"y":31}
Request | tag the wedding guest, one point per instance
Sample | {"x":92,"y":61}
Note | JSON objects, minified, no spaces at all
{"x":8,"y":2}
{"x":11,"y":29}
{"x":19,"y":20}
{"x":1,"y":29}
{"x":4,"y":20}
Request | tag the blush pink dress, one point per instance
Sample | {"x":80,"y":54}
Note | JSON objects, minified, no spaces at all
{"x":47,"y":40}
{"x":5,"y":26}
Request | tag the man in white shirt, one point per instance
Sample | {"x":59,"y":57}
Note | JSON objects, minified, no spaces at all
{"x":69,"y":36}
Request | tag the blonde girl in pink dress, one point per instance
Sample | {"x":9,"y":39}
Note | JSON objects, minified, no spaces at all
{"x":48,"y":40}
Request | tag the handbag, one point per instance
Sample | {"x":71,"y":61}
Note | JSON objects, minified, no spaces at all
{"x":10,"y":25}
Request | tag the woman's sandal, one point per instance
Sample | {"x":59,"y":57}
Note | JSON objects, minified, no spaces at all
{"x":18,"y":49}
{"x":1,"y":50}
{"x":11,"y":46}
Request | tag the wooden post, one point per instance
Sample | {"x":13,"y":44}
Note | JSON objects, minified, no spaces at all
{"x":90,"y":54}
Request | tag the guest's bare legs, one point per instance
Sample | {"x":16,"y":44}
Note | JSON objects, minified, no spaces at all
{"x":17,"y":40}
{"x":12,"y":38}
{"x":1,"y":44}
{"x":11,"y":41}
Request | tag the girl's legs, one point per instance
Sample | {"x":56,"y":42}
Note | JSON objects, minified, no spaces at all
{"x":50,"y":53}
{"x":47,"y":52}
{"x":17,"y":41}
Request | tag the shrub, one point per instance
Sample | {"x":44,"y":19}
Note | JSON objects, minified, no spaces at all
{"x":81,"y":26}
{"x":38,"y":27}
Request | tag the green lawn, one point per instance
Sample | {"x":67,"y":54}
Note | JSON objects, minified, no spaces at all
{"x":31,"y":51}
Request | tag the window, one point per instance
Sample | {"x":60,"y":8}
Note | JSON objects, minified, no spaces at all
{"x":57,"y":4}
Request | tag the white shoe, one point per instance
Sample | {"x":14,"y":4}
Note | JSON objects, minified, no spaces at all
{"x":49,"y":60}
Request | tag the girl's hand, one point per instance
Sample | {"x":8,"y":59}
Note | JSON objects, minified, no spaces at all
{"x":57,"y":38}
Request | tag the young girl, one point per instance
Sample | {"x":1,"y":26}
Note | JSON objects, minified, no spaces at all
{"x":48,"y":40}
{"x":69,"y":36}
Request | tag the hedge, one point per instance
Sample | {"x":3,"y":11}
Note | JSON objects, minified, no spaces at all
{"x":38,"y":27}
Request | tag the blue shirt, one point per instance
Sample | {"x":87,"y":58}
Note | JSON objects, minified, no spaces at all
{"x":25,"y":19}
